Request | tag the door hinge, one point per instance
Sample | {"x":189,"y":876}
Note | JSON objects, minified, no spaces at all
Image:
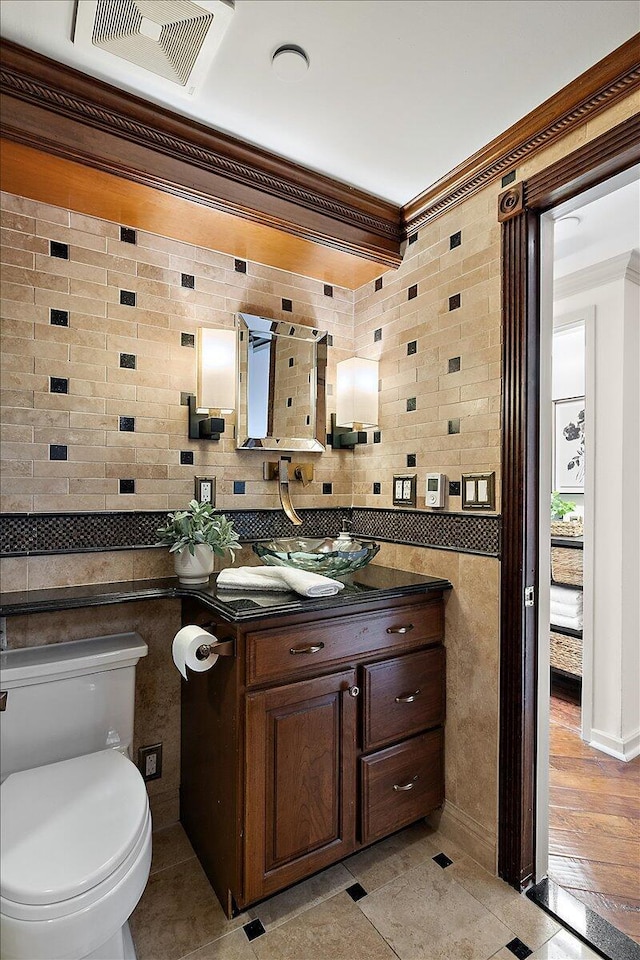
{"x":529,"y":596}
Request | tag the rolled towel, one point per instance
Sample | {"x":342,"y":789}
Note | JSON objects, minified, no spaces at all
{"x":565,"y":595}
{"x":566,"y":609}
{"x":575,"y":623}
{"x":278,"y":578}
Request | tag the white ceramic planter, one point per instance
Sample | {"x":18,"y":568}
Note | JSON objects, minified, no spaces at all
{"x":196,"y":568}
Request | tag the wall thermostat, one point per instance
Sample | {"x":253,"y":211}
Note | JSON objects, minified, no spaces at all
{"x":435,"y":489}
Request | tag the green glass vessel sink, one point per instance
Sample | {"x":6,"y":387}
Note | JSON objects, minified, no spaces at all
{"x":331,"y":558}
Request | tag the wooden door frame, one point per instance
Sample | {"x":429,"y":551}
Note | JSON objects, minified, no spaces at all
{"x":519,"y":211}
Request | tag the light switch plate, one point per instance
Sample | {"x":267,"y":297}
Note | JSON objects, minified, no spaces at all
{"x":205,"y":490}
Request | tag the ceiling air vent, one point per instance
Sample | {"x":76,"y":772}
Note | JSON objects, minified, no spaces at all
{"x":175,"y":40}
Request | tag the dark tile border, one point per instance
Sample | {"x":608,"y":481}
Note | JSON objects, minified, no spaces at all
{"x":583,"y":922}
{"x":42,"y":534}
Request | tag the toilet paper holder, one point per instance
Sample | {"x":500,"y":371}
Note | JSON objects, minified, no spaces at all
{"x":226,"y":648}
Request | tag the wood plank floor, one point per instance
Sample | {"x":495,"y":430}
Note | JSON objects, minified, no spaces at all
{"x":594,"y":822}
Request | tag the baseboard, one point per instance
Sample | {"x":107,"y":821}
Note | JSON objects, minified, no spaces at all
{"x":627,"y":749}
{"x":467,"y":833}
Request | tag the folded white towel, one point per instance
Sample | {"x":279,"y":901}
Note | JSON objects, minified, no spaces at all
{"x":566,"y":609}
{"x":574,"y":622}
{"x":565,"y":594}
{"x":278,"y":578}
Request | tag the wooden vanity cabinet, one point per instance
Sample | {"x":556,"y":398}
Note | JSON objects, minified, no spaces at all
{"x":322,"y":735}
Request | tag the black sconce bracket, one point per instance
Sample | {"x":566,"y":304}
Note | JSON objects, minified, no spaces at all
{"x":341,"y":438}
{"x":201,"y":425}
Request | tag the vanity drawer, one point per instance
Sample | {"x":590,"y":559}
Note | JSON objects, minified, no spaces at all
{"x":401,"y":784}
{"x":283,"y":652}
{"x":403,"y":696}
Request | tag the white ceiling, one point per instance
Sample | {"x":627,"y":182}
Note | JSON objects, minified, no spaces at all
{"x":398,"y":91}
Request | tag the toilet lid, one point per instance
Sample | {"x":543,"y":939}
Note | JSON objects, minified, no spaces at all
{"x":67,"y":826}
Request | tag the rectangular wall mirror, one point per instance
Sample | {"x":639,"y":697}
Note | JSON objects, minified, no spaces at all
{"x":281,"y":385}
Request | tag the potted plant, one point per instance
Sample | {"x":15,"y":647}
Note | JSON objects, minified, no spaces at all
{"x":560,"y":525}
{"x":195,"y":536}
{"x":559,"y":506}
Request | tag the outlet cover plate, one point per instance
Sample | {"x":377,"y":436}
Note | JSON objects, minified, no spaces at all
{"x":205,"y":490}
{"x":146,"y":765}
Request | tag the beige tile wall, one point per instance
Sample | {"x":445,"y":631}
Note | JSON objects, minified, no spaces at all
{"x":87,"y":353}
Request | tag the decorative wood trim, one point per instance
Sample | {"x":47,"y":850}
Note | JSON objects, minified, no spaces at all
{"x":62,"y":111}
{"x":598,"y":88}
{"x":581,"y":169}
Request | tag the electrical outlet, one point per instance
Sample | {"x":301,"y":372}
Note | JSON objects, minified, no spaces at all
{"x":150,"y":761}
{"x":205,"y":490}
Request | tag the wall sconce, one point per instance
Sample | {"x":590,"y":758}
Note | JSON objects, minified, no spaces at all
{"x":356,"y":402}
{"x":216,"y":383}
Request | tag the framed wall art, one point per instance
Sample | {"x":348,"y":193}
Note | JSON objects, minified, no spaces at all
{"x":568,"y":445}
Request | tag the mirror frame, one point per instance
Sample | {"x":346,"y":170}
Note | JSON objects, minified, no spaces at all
{"x":318,"y":339}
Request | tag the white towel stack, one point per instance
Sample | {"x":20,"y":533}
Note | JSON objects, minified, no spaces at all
{"x":566,"y":607}
{"x":278,"y":579}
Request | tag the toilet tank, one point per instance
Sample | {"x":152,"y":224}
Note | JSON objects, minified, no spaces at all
{"x":67,"y":699}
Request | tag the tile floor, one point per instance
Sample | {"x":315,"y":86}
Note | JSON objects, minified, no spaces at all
{"x":390,"y":901}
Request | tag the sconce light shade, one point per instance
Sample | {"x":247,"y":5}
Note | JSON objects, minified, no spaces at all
{"x":357,"y":393}
{"x":216,"y":386}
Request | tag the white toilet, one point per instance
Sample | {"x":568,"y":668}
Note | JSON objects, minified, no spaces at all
{"x":75,"y":846}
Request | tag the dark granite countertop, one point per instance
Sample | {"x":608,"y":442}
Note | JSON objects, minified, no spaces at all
{"x":370,"y":583}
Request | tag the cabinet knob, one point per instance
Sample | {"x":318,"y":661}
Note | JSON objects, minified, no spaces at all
{"x":404,"y":629}
{"x":406,"y":786}
{"x":354,"y":691}
{"x":312,"y":648}
{"x":408,"y":697}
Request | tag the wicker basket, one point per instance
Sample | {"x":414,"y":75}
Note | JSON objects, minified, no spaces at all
{"x":566,"y":653}
{"x":566,"y":566}
{"x":567,"y":528}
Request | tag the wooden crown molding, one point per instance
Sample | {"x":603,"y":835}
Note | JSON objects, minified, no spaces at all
{"x":598,"y":88}
{"x":59,"y":110}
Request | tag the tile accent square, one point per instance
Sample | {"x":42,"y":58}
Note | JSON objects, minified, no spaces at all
{"x":289,"y":401}
{"x":442,"y":860}
{"x":378,"y":284}
{"x":377,"y":436}
{"x":411,"y":404}
{"x":287,"y":305}
{"x":57,"y":451}
{"x":412,"y":292}
{"x":127,"y":424}
{"x":327,"y":488}
{"x":240,"y":266}
{"x":186,"y":457}
{"x":328,"y":290}
{"x":519,"y":949}
{"x":356,"y":891}
{"x":291,"y":361}
{"x":412,"y":239}
{"x":58,"y":385}
{"x":508,"y":178}
{"x":376,"y":487}
{"x":454,"y":364}
{"x":239,"y":486}
{"x":411,"y":459}
{"x":454,"y":301}
{"x":127,"y":298}
{"x":128,"y":235}
{"x":412,"y":347}
{"x":377,"y":335}
{"x":455,"y":240}
{"x":253,"y":930}
{"x":127,"y":486}
{"x":128,"y":360}
{"x":453,"y":426}
{"x":188,"y":340}
{"x":59,"y":250}
{"x":188,"y":280}
{"x":454,"y":488}
{"x":59,"y":318}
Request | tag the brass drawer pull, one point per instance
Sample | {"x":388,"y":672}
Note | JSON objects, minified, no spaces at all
{"x":408,"y":697}
{"x":406,"y":786}
{"x":312,"y":648}
{"x":404,"y":629}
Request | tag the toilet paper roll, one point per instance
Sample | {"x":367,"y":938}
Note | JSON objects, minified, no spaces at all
{"x":185,"y":644}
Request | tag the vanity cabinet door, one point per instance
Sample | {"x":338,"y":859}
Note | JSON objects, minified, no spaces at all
{"x":300,"y":792}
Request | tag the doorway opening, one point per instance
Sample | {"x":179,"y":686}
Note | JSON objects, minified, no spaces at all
{"x":588,"y":776}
